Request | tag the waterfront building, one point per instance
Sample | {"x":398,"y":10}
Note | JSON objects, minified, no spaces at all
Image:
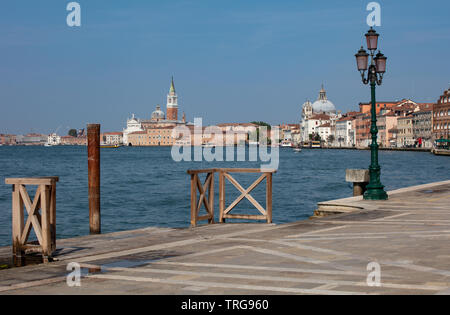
{"x":32,"y":139}
{"x":405,"y":136}
{"x":158,"y":124}
{"x":112,"y":138}
{"x":362,"y":124}
{"x":387,"y":126}
{"x":69,"y":140}
{"x":324,"y":131}
{"x":133,"y":125}
{"x":310,"y":126}
{"x":54,"y":139}
{"x":441,"y":117}
{"x":345,"y":134}
{"x":422,"y":126}
{"x":321,"y":112}
{"x":155,"y":136}
{"x":6,"y":139}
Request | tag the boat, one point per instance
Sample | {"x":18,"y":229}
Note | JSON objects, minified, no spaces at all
{"x":286,"y":144}
{"x":110,"y":146}
{"x":48,"y":145}
{"x":441,"y":147}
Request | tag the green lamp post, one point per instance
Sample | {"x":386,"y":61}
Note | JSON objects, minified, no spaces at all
{"x":376,"y":70}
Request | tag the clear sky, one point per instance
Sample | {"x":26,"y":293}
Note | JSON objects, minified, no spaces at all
{"x":233,"y":60}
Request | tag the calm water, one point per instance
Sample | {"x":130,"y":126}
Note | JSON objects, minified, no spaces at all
{"x":143,"y":187}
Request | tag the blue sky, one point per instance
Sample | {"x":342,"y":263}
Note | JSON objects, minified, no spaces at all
{"x":233,"y":60}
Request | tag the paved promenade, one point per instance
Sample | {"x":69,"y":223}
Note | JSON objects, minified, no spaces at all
{"x":408,"y":236}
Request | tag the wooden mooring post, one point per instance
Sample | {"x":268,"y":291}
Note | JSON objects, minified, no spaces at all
{"x":93,"y":132}
{"x":43,"y":223}
{"x":224,"y":175}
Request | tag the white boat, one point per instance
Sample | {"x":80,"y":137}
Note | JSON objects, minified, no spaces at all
{"x":48,"y":145}
{"x":286,"y":144}
{"x":297,"y":150}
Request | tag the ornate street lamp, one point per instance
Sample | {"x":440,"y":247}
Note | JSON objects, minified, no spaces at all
{"x":376,"y":70}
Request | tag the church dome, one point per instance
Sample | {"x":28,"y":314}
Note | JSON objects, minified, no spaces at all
{"x":323,"y":105}
{"x":158,"y":113}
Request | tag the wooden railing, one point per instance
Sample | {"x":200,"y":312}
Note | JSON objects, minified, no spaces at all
{"x":208,"y":201}
{"x":196,"y":204}
{"x":43,"y":223}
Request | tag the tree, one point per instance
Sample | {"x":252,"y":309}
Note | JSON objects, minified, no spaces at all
{"x":73,"y":133}
{"x":331,"y":139}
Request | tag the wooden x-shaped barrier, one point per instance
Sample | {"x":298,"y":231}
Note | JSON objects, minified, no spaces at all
{"x":43,"y":223}
{"x":208,"y":188}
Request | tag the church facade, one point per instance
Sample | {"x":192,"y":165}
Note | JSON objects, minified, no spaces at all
{"x":321,"y":113}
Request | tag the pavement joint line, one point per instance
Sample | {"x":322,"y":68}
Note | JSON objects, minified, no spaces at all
{"x":335,"y":238}
{"x":226,"y":285}
{"x":263,"y":268}
{"x":393,"y":216}
{"x":31,"y":284}
{"x":322,"y":230}
{"x":326,"y":287}
{"x":376,"y":233}
{"x":277,"y":278}
{"x":371,"y":223}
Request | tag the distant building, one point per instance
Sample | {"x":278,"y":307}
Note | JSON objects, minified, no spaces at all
{"x":112,"y":138}
{"x":422,"y":126}
{"x":32,"y":139}
{"x":54,"y":139}
{"x":324,"y":131}
{"x":362,"y":125}
{"x":387,"y":124}
{"x":441,"y":117}
{"x":8,"y":139}
{"x":344,"y":135}
{"x":317,"y":114}
{"x":69,"y":140}
{"x":158,"y":121}
{"x":405,"y":136}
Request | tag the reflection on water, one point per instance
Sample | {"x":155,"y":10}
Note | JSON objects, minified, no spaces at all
{"x":144,"y":187}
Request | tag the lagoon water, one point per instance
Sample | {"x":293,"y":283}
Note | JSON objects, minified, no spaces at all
{"x":144,"y":187}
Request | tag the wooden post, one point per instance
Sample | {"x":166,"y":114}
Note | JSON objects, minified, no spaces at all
{"x":211,"y":198}
{"x":269,"y":198}
{"x":221,"y":195}
{"x":45,"y":222}
{"x":93,"y":132}
{"x":17,"y":226}
{"x":193,"y":200}
{"x":53,"y":215}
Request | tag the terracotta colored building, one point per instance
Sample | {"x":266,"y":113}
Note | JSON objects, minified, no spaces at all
{"x":362,"y":127}
{"x":441,"y":117}
{"x":7,"y":139}
{"x":387,"y":124}
{"x":69,"y":140}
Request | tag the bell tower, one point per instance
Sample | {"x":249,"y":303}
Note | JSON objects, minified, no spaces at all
{"x":172,"y":103}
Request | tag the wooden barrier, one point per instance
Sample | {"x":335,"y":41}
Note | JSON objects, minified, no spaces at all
{"x":43,"y":223}
{"x":225,"y":174}
{"x":203,"y":189}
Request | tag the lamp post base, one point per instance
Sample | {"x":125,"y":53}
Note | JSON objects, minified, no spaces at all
{"x":375,"y":193}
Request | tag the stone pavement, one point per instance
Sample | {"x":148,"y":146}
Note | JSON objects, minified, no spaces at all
{"x":408,"y":236}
